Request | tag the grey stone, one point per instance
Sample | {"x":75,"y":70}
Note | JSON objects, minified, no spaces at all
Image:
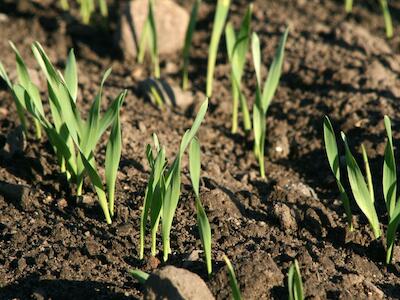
{"x":171,"y":23}
{"x":176,"y":283}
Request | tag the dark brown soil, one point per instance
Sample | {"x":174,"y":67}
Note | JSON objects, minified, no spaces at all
{"x":53,"y":247}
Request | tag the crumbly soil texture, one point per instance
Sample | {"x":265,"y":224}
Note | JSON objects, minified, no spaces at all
{"x":54,"y":246}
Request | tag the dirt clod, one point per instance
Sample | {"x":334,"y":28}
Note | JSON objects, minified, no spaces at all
{"x":176,"y":283}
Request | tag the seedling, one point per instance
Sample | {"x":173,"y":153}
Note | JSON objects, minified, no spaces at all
{"x":218,"y":26}
{"x":295,"y":284}
{"x":237,"y":46}
{"x":148,"y":38}
{"x":387,"y":18}
{"x":164,"y":188}
{"x":334,"y":162}
{"x":385,"y":11}
{"x":362,"y":191}
{"x":202,"y":220}
{"x":389,"y":182}
{"x":74,"y":139}
{"x":264,"y":95}
{"x":23,"y":79}
{"x":188,"y":42}
{"x":87,"y":8}
{"x":348,"y":5}
{"x":236,"y":295}
{"x":139,"y":275}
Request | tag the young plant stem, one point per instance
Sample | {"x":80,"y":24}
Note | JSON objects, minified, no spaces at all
{"x":348,"y":6}
{"x":368,"y":173}
{"x":245,"y":111}
{"x":38,"y":130}
{"x":64,"y":4}
{"x":219,"y":21}
{"x":387,"y":18}
{"x":188,"y":41}
{"x":235,"y":107}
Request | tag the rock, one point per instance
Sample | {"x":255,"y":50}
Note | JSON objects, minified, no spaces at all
{"x":171,"y":23}
{"x":18,"y":194}
{"x":62,"y":203}
{"x":219,"y":204}
{"x":279,"y":143}
{"x":16,"y":142}
{"x":171,"y":95}
{"x":125,"y":230}
{"x":257,"y":275}
{"x":349,"y":280}
{"x":301,"y":189}
{"x":92,"y":248}
{"x":3,"y":18}
{"x":286,"y":220}
{"x":85,"y":200}
{"x":313,"y":222}
{"x":175,"y":283}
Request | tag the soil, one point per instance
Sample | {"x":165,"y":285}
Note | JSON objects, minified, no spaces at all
{"x":53,"y":246}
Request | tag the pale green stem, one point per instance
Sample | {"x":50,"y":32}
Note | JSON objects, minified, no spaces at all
{"x":38,"y":130}
{"x":387,"y":18}
{"x":349,"y":6}
{"x":235,"y":108}
{"x":368,"y":173}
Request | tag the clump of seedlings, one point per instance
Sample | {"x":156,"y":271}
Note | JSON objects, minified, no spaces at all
{"x":87,"y":8}
{"x":334,"y":162}
{"x":164,"y":188}
{"x":188,"y":42}
{"x":148,"y":39}
{"x":265,"y":94}
{"x":237,"y":45}
{"x":24,"y":80}
{"x":295,"y":284}
{"x":362,"y":187}
{"x":73,"y":139}
{"x":219,"y":21}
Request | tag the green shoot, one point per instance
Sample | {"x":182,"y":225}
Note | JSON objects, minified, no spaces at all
{"x":387,"y":18}
{"x":348,"y":6}
{"x":219,"y":22}
{"x":295,"y":284}
{"x":74,"y":139}
{"x":368,"y":173}
{"x":202,"y":220}
{"x":148,"y":38}
{"x":333,"y":158}
{"x":236,"y":295}
{"x":113,"y":156}
{"x":139,"y":275}
{"x":24,"y":80}
{"x":188,"y":42}
{"x":237,"y":47}
{"x":362,"y":191}
{"x":264,"y":95}
{"x":389,"y":180}
{"x":64,"y":4}
{"x":389,"y":183}
{"x":164,"y":188}
{"x":87,"y":8}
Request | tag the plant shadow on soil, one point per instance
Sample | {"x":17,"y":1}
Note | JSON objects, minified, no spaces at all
{"x":59,"y":289}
